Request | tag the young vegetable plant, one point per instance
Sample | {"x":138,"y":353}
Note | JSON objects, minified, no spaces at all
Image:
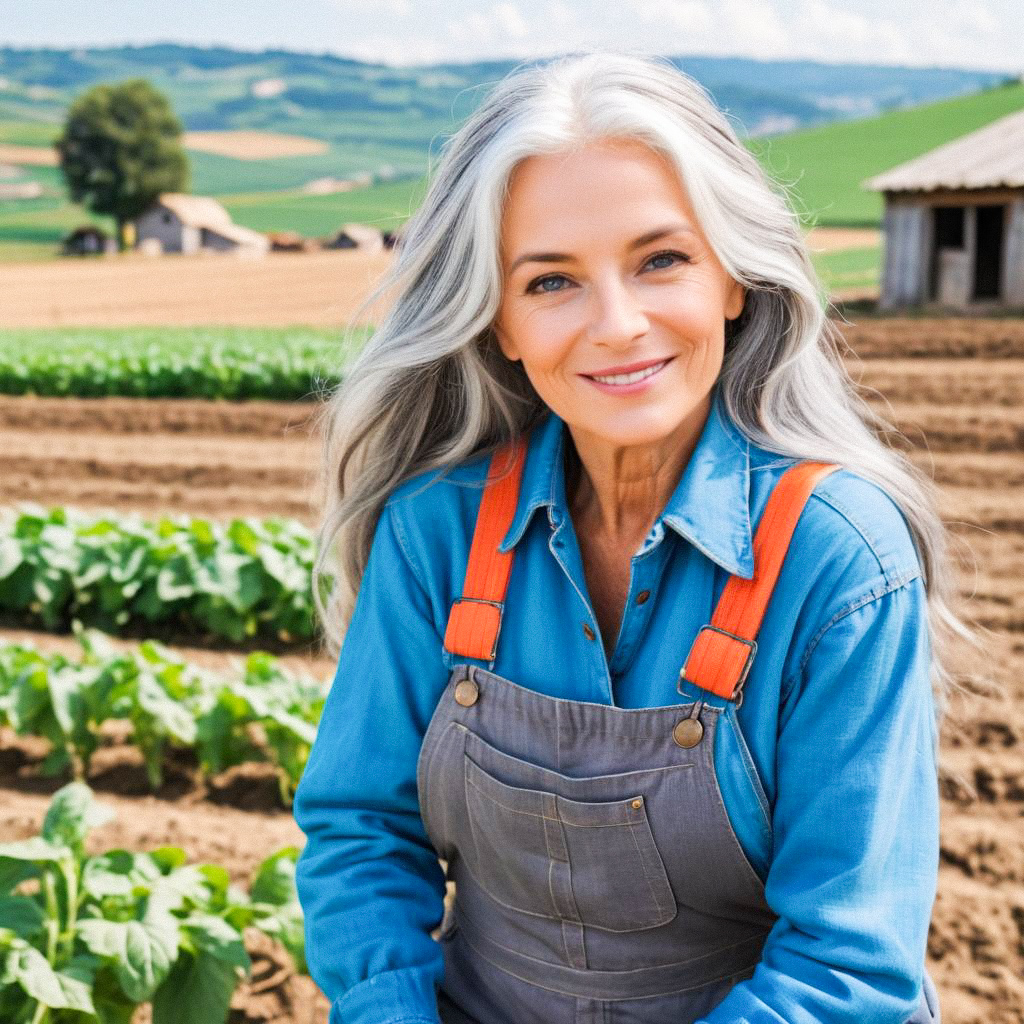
{"x":87,"y":939}
{"x":263,"y":713}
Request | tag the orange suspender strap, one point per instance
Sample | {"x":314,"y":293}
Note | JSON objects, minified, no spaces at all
{"x":475,"y":618}
{"x":723,"y":651}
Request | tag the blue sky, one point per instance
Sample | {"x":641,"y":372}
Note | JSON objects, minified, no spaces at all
{"x":982,"y":34}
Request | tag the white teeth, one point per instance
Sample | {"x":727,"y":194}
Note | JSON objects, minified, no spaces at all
{"x":629,"y":378}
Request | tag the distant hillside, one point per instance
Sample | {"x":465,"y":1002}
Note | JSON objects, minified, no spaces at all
{"x":383,"y":123}
{"x":375,"y":115}
{"x":826,"y":165}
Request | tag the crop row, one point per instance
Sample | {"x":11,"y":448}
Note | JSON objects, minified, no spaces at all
{"x":91,"y":938}
{"x":248,"y":579}
{"x":266,"y":714}
{"x":284,"y":365}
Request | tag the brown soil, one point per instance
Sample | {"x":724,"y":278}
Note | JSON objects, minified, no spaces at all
{"x":831,"y":239}
{"x":35,"y":156}
{"x":953,"y":388}
{"x":252,"y":145}
{"x":320,"y":288}
{"x":160,"y":456}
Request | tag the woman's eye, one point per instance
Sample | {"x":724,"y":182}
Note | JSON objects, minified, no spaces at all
{"x":668,"y":256}
{"x":537,"y":285}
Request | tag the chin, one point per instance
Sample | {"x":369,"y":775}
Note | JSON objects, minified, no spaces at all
{"x":632,"y":427}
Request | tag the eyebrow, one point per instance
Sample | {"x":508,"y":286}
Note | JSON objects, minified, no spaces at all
{"x":561,"y":257}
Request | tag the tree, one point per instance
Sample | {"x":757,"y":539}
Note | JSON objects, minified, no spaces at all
{"x":120,"y":148}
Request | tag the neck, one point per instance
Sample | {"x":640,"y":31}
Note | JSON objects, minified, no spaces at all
{"x":616,"y":492}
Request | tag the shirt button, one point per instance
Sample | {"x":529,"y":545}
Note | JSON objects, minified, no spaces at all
{"x":588,"y":632}
{"x":642,"y":596}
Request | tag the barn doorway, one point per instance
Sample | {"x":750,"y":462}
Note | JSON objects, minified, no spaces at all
{"x":947,"y":273}
{"x":988,"y":251}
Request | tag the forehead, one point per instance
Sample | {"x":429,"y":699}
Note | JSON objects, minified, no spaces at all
{"x":622,"y":180}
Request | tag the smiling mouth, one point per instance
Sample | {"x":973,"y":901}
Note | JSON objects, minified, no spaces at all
{"x":630,"y":378}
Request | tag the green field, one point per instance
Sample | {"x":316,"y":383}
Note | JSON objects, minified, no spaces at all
{"x":386,"y":205}
{"x":822,"y":169}
{"x":284,"y":364}
{"x":849,"y":268}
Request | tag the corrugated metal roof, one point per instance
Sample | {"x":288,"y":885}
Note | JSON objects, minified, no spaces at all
{"x":991,"y":157}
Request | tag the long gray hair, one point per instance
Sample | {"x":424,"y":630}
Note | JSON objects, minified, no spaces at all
{"x":431,"y":387}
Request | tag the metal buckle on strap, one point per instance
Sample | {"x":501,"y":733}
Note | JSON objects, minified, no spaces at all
{"x":738,"y":691}
{"x":500,"y":605}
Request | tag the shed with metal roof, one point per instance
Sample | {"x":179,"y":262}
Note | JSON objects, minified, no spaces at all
{"x":187,"y":223}
{"x":954,"y":222}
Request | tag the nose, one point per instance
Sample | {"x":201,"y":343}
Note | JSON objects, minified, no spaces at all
{"x":616,"y":315}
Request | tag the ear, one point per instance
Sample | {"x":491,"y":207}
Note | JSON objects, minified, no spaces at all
{"x":506,"y":346}
{"x":734,"y":301}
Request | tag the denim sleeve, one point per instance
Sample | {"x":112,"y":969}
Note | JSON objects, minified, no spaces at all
{"x":368,"y":878}
{"x":855,"y":865}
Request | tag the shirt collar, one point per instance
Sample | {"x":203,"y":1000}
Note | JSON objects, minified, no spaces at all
{"x":710,"y":506}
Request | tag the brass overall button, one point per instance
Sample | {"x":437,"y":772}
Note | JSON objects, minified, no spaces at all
{"x":688,"y":732}
{"x":637,"y":802}
{"x":466,"y":693}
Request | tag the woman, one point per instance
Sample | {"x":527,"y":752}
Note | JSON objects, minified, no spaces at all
{"x":604,"y":309}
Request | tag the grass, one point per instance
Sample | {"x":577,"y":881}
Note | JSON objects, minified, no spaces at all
{"x":824,"y":167}
{"x":386,"y":206}
{"x":849,"y":268}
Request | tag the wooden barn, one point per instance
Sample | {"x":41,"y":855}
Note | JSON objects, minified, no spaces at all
{"x":954,"y":222}
{"x":184,"y":223}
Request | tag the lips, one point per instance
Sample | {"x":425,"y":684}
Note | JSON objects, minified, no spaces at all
{"x":613,"y":371}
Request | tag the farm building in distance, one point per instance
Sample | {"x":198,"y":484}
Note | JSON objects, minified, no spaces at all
{"x":183,"y":223}
{"x":954,"y":222}
{"x":87,"y":239}
{"x":356,"y":236}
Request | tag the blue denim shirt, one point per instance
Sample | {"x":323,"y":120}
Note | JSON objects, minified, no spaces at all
{"x":827,"y":768}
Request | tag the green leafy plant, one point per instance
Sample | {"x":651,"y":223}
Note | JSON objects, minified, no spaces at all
{"x":262,"y":714}
{"x":245,"y":579}
{"x":278,"y":364}
{"x":90,"y":938}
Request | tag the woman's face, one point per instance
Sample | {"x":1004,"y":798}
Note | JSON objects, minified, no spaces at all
{"x":605,"y":266}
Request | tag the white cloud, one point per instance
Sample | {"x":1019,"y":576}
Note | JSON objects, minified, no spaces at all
{"x":401,"y":8}
{"x":510,"y":20}
{"x":689,"y":15}
{"x":409,"y":50}
{"x":560,"y":13}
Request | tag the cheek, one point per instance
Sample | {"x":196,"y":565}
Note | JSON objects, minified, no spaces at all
{"x":697,"y":303}
{"x":542,"y":338}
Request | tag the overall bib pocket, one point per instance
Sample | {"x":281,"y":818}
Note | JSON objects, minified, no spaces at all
{"x":592,"y":862}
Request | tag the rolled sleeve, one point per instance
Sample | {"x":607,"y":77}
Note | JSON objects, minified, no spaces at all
{"x":856,"y":826}
{"x":369,"y":880}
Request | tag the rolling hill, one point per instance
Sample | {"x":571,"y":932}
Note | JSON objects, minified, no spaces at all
{"x":387,"y":123}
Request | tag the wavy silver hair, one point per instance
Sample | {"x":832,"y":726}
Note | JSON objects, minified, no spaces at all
{"x":432,"y":388}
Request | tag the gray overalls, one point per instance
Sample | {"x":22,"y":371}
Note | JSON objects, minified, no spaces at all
{"x":597,"y":876}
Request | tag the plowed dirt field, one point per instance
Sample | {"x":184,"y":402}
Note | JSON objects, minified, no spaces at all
{"x":954,"y":388}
